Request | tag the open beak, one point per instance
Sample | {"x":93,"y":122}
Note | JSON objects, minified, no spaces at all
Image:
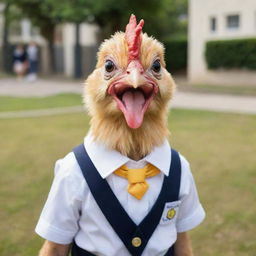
{"x":133,"y":93}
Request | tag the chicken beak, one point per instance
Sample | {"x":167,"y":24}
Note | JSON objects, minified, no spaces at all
{"x":135,"y":74}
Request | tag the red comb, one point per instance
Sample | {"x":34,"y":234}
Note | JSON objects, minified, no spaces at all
{"x":133,"y":37}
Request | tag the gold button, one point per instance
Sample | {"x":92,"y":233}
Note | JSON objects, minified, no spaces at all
{"x":136,"y":242}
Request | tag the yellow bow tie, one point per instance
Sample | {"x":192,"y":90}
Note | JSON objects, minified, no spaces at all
{"x":136,"y":177}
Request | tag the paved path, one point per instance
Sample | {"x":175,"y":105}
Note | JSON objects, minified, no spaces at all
{"x":215,"y":102}
{"x":187,"y":100}
{"x":39,"y":88}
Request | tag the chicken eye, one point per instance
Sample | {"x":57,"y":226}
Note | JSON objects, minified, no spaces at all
{"x":109,"y":66}
{"x":156,"y":66}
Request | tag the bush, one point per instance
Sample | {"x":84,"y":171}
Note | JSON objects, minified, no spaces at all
{"x":228,"y":54}
{"x":176,"y":54}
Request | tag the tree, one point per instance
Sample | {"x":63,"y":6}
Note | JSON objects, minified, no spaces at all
{"x":174,"y":19}
{"x":10,"y":13}
{"x":75,"y":11}
{"x":38,"y":12}
{"x":109,"y":15}
{"x":5,"y":41}
{"x":162,"y":17}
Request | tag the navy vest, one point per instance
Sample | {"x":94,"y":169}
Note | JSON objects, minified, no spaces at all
{"x":119,"y":220}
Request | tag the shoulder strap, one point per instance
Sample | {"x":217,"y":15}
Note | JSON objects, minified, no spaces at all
{"x":174,"y":176}
{"x":107,"y":201}
{"x":169,"y":193}
{"x":101,"y":192}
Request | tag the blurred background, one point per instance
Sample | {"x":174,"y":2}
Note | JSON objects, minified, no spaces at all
{"x":214,"y":44}
{"x":68,"y":33}
{"x":48,"y":48}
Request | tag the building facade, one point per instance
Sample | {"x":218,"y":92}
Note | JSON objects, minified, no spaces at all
{"x":219,"y":20}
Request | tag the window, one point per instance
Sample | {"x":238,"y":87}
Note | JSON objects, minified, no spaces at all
{"x":213,"y":24}
{"x":233,"y":21}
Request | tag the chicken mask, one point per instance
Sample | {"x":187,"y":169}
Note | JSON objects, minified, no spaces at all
{"x":130,"y":81}
{"x":134,"y":90}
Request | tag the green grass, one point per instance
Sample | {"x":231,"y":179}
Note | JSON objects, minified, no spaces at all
{"x":220,"y":147}
{"x":61,"y":100}
{"x":220,"y":89}
{"x":5,"y":75}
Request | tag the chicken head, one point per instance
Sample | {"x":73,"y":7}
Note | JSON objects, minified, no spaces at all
{"x":130,"y":88}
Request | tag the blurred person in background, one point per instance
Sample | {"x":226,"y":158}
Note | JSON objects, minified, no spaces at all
{"x":20,"y":63}
{"x":32,"y":52}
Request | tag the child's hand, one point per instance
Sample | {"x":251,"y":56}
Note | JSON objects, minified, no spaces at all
{"x":183,"y":246}
{"x":53,"y":249}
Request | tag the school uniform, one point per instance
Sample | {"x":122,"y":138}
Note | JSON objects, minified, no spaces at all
{"x":90,"y":205}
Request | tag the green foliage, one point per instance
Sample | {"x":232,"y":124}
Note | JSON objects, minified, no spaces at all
{"x":109,"y":15}
{"x":162,"y":18}
{"x":176,"y":54}
{"x":172,"y":21}
{"x":68,"y":10}
{"x":10,"y":11}
{"x":37,"y":11}
{"x":239,"y":53}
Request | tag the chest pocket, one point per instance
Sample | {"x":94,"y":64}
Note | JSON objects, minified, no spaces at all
{"x":170,"y":212}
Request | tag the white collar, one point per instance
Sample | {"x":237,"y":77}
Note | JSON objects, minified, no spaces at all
{"x":107,"y":161}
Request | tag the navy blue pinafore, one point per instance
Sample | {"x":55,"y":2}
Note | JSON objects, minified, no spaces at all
{"x":115,"y":214}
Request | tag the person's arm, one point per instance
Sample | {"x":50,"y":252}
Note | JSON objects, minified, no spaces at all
{"x":182,"y":246}
{"x":58,"y":222}
{"x":53,"y":249}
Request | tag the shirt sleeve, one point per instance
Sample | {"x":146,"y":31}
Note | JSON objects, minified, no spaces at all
{"x":59,"y":219}
{"x":191,"y":212}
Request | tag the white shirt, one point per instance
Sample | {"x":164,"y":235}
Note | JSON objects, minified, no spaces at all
{"x":72,"y":213}
{"x":32,"y":51}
